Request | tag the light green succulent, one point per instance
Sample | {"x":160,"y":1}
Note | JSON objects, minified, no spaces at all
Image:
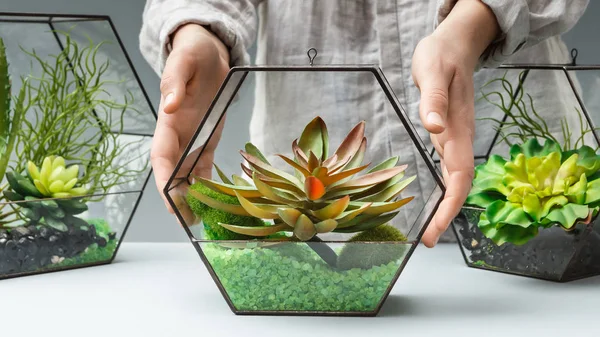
{"x":54,"y":179}
{"x":540,"y":186}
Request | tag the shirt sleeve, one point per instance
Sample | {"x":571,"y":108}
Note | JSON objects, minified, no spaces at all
{"x":234,"y":22}
{"x":523,"y":23}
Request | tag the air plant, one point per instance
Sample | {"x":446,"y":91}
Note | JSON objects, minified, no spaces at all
{"x":324,"y":195}
{"x":71,"y":115}
{"x":522,"y":121}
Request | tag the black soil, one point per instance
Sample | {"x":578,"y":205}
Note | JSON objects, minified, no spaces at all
{"x":554,"y":254}
{"x":28,"y":248}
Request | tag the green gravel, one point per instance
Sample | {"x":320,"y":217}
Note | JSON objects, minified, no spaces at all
{"x":292,"y":277}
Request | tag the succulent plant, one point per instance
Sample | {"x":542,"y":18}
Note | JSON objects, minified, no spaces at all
{"x":48,"y":196}
{"x":55,"y":179}
{"x":540,"y":186}
{"x":323,"y":195}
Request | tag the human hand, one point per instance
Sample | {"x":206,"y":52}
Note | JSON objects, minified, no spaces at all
{"x":442,"y":69}
{"x":193,"y":73}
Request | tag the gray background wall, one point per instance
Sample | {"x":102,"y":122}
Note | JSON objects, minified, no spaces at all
{"x":152,"y":222}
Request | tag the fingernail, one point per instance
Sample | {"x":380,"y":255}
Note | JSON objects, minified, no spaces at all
{"x":435,"y":118}
{"x":169,"y":98}
{"x":435,"y":242}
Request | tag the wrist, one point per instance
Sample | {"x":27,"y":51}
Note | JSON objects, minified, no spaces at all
{"x":192,"y":31}
{"x":471,"y":26}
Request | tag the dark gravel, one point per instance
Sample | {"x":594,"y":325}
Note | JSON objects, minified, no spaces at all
{"x":28,"y":248}
{"x":554,"y":254}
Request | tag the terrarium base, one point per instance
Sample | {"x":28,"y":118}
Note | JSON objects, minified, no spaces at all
{"x":554,"y":254}
{"x":291,"y":279}
{"x":29,"y":250}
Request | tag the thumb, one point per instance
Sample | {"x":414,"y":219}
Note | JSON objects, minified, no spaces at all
{"x":433,"y":108}
{"x":178,"y":71}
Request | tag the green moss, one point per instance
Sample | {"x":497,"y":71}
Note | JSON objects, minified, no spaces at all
{"x":212,"y":217}
{"x":292,"y":277}
{"x":92,"y":254}
{"x":367,"y":255}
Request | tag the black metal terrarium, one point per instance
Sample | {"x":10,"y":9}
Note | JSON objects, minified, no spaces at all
{"x":75,"y":132}
{"x":533,"y":210}
{"x":326,"y":201}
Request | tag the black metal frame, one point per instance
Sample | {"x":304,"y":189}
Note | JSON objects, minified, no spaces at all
{"x":526,"y":68}
{"x":175,"y":181}
{"x":50,"y":19}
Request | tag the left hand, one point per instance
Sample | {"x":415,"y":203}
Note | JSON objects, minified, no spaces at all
{"x":442,"y":69}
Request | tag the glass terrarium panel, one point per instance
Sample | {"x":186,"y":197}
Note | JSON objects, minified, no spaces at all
{"x":119,"y":81}
{"x":554,"y":254}
{"x":40,"y":235}
{"x":273,"y":126}
{"x":291,"y":277}
{"x":588,"y":85}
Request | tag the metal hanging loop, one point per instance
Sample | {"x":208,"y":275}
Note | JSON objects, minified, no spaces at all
{"x":574,"y":54}
{"x":312,"y":54}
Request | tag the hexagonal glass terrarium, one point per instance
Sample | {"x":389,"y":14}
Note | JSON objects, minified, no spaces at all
{"x":533,"y":209}
{"x":75,"y":131}
{"x":323,"y":206}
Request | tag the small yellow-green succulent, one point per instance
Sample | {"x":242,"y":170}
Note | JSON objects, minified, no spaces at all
{"x":54,"y":179}
{"x":540,"y":186}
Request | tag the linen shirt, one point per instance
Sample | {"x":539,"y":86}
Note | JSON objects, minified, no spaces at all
{"x":384,"y":33}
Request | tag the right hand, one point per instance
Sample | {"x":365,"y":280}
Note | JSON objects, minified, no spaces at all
{"x":194,"y":71}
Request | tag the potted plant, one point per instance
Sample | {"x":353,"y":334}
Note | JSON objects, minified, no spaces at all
{"x":64,"y":159}
{"x":534,"y":210}
{"x":306,"y":230}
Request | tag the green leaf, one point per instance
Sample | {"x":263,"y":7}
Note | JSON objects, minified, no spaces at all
{"x":389,"y":163}
{"x":56,"y":224}
{"x":549,"y":204}
{"x":326,"y":226}
{"x":253,"y":150}
{"x":12,"y":196}
{"x":532,"y":148}
{"x":350,"y":144}
{"x":333,"y":210}
{"x":482,"y":199}
{"x":258,"y":211}
{"x":315,"y":139}
{"x":369,"y":223}
{"x":72,"y":206}
{"x":376,"y":208}
{"x":568,"y":215}
{"x":565,"y":172}
{"x":577,"y":192}
{"x":592,"y":194}
{"x":31,"y":213}
{"x":246,"y":191}
{"x":222,"y":175}
{"x":516,"y":235}
{"x":213,"y":203}
{"x":304,"y":228}
{"x":390,"y":192}
{"x":501,"y":212}
{"x":256,"y":231}
{"x":532,"y":206}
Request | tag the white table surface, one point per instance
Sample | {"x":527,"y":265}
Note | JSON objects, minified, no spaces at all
{"x":164,"y":290}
